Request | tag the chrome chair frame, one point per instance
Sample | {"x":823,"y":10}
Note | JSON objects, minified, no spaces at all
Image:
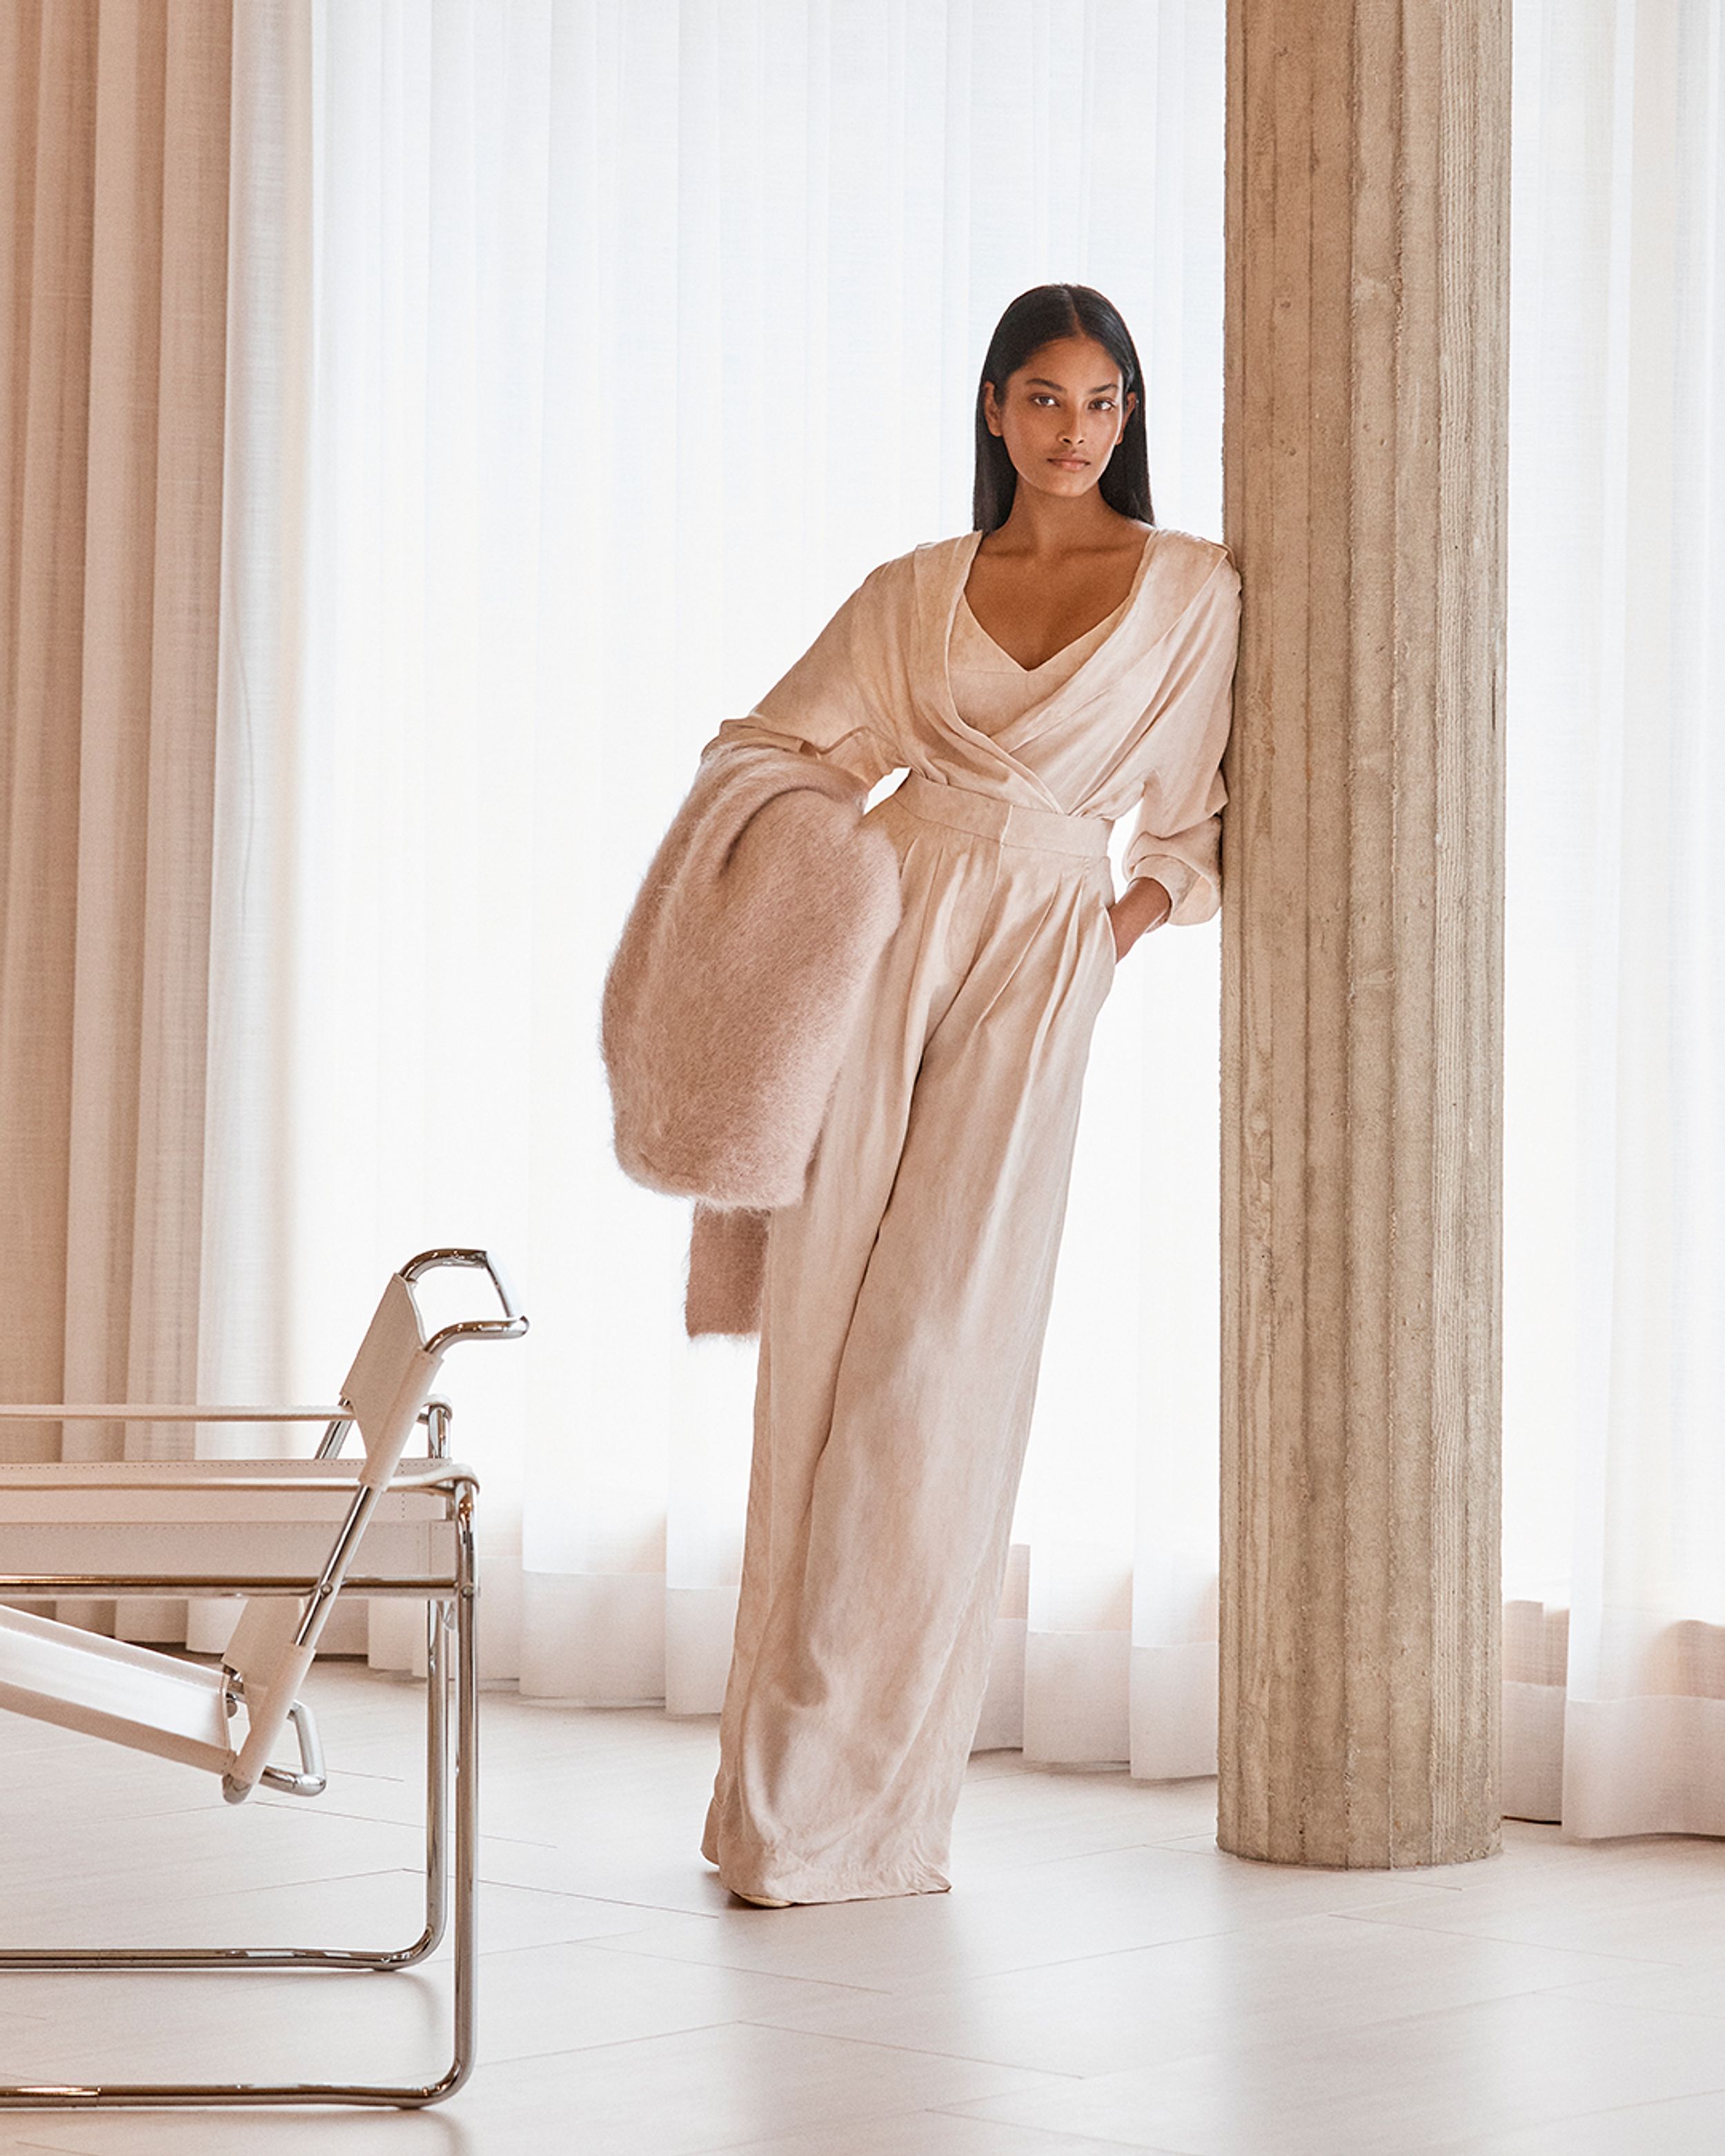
{"x":450,"y":1598}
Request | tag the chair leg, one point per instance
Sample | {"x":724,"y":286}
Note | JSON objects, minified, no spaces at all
{"x":116,"y":2096}
{"x":466,"y":1800}
{"x":440,"y":1616}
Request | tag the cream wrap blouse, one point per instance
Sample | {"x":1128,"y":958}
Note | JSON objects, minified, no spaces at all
{"x":1139,"y":724}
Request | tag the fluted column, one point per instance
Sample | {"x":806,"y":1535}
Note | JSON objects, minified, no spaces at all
{"x":1368,"y":216}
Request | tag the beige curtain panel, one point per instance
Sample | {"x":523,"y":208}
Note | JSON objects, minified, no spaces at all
{"x":114,"y":142}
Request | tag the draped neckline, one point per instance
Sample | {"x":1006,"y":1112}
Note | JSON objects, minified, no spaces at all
{"x":1093,"y":636}
{"x":1109,"y":620}
{"x":1095,"y":669}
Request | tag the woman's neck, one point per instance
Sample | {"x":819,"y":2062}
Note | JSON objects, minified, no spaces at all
{"x":1042,"y":527}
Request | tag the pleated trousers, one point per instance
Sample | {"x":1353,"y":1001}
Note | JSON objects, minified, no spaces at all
{"x":906,"y":1300}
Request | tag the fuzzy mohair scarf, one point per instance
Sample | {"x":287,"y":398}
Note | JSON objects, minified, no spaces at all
{"x":736,"y":987}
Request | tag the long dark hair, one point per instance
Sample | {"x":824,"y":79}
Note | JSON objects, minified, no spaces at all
{"x":1035,"y":318}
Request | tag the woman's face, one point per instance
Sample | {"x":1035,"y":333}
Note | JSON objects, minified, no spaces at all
{"x":1061,"y":415}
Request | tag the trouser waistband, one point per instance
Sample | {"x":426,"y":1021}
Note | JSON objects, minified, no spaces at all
{"x":989,"y":816}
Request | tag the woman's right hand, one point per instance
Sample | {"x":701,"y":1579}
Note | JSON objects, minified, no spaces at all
{"x":1142,"y":905}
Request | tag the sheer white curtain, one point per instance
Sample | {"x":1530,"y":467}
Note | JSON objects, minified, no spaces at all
{"x":582,"y":357}
{"x":1614,"y":1518}
{"x":591,"y":352}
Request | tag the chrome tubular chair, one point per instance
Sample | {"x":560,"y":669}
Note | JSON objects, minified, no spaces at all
{"x":285,"y":1534}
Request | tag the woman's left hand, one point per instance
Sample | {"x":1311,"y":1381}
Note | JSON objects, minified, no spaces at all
{"x":1142,"y":905}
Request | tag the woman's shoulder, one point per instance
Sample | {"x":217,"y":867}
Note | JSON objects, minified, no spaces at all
{"x":1186,"y":571}
{"x":924,"y":554}
{"x":927,"y":556}
{"x":902,"y":571}
{"x":1205,"y":556}
{"x":903,"y":579}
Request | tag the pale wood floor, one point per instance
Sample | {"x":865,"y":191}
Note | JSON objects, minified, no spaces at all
{"x":1100,"y":1979}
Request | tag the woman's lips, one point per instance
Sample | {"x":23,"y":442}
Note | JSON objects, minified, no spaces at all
{"x":1071,"y":464}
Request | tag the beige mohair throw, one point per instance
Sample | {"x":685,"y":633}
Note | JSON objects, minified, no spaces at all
{"x":727,"y":1271}
{"x":733,"y":992}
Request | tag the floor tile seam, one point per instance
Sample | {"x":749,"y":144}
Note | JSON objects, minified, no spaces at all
{"x":260,"y":1887}
{"x":404,"y":1826}
{"x":1714,"y":2015}
{"x":1071,"y":1855}
{"x":1526,"y":1887}
{"x":289,"y":1808}
{"x":913,"y":2051}
{"x":1637,"y":1963}
{"x":494,"y":2065}
{"x":1504,"y":1939}
{"x":1232,"y":2054}
{"x":565,"y":1894}
{"x":31,"y":2022}
{"x":753,"y":2139}
{"x":1151,"y":1946}
{"x":876,"y":2118}
{"x":989,"y":1801}
{"x":850,"y":1991}
{"x":614,"y":1945}
{"x":1428,"y":2014}
{"x":1218,"y":2046}
{"x":128,"y":1813}
{"x":1079,"y":2141}
{"x":1629,"y":1964}
{"x":1460,"y":2147}
{"x":620,"y":1945}
{"x":1400,"y":1879}
{"x":666,"y":1909}
{"x":972,"y":2112}
{"x":1172,"y":1849}
{"x":1360,"y":2017}
{"x":1168,"y":1848}
{"x":1357,"y":2015}
{"x":1031,"y":1968}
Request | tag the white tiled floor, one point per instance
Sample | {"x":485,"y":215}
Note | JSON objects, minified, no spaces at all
{"x":1100,"y":1979}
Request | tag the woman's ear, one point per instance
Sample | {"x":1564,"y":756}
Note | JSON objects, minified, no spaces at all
{"x":991,"y":408}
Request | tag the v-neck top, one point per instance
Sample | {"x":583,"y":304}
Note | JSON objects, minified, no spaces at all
{"x":991,"y":690}
{"x":1132,"y":715}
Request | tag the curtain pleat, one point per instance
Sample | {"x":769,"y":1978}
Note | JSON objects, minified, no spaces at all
{"x":115,"y":228}
{"x":48,"y":55}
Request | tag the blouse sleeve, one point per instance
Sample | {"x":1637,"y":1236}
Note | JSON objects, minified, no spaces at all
{"x":1177,"y":837}
{"x":829,"y":704}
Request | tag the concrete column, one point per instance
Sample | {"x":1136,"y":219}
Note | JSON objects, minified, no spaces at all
{"x":1368,"y":325}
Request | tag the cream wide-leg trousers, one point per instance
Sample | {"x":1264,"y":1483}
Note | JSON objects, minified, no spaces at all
{"x":907,"y":1299}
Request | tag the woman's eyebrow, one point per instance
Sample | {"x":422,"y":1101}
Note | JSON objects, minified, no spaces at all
{"x":1042,"y":381}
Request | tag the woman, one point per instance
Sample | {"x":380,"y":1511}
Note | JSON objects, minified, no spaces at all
{"x":1041,"y":676}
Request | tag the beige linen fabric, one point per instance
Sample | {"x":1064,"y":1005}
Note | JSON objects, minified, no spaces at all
{"x":990,"y":689}
{"x":908,"y":1293}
